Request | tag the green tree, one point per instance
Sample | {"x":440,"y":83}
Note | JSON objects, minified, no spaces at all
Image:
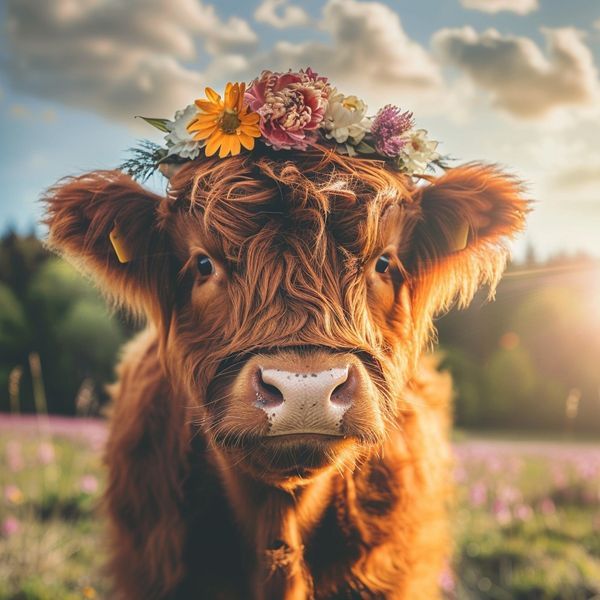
{"x":48,"y":308}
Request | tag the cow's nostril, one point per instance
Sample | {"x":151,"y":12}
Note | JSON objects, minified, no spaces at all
{"x":266,"y":393}
{"x":344,"y":392}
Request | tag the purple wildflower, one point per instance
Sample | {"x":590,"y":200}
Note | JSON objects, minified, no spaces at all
{"x":388,"y":126}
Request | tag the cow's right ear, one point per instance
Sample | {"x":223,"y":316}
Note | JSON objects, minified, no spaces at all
{"x":109,"y":227}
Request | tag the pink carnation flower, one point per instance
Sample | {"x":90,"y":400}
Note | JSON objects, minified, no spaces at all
{"x":291,"y":107}
{"x":387,"y":129}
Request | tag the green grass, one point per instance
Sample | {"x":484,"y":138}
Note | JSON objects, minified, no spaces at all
{"x":526,"y":520}
{"x":51,"y":545}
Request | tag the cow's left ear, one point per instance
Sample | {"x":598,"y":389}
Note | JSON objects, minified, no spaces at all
{"x":110,"y":228}
{"x":465,"y":219}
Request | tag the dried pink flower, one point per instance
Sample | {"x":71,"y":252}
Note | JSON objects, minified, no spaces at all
{"x":291,"y":107}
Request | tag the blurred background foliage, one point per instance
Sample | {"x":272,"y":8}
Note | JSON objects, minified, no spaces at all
{"x":48,"y":310}
{"x":528,"y":361}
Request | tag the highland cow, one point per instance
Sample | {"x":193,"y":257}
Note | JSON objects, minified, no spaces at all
{"x":276,"y":433}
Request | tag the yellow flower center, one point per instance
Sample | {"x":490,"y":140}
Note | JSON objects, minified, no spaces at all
{"x":229,"y":121}
{"x":350,"y":102}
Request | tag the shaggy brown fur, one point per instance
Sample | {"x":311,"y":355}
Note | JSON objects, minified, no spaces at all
{"x":200,"y":505}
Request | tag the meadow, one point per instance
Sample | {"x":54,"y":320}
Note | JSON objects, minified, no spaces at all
{"x":526,"y":515}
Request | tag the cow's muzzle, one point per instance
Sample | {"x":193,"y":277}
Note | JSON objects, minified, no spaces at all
{"x":305,"y":400}
{"x":296,"y":409}
{"x":314,"y":392}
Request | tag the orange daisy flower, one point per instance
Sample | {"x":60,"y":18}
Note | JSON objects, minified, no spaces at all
{"x":225,"y":124}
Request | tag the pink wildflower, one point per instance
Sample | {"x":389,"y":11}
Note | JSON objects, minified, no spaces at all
{"x":447,"y":582}
{"x":509,"y":494}
{"x":478,"y":494}
{"x":523,"y":512}
{"x":45,"y":453}
{"x":547,"y":506}
{"x":501,"y":512}
{"x":10,"y":526}
{"x":14,"y":457}
{"x":88,"y":484}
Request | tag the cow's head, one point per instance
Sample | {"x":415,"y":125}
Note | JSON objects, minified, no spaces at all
{"x":292,"y":298}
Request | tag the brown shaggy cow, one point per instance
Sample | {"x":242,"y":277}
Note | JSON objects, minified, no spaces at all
{"x":275,"y":434}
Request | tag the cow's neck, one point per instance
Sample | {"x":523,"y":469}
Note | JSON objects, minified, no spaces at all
{"x":277,"y":522}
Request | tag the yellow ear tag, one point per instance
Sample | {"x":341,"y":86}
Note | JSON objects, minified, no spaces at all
{"x":460,"y":237}
{"x":117,"y":239}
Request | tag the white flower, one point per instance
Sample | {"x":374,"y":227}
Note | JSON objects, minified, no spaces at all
{"x":344,"y":119}
{"x":418,"y":151}
{"x":179,"y":141}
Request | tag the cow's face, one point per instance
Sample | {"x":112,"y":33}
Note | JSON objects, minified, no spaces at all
{"x":292,"y":298}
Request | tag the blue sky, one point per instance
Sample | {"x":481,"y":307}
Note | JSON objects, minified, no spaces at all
{"x":507,"y":81}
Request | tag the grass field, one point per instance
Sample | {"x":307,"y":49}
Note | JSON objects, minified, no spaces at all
{"x":527,"y":516}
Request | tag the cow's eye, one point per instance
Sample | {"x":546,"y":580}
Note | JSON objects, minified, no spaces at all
{"x":382,"y":264}
{"x":204,"y":265}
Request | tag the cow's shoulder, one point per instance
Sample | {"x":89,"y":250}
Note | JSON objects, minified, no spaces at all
{"x":138,"y":371}
{"x":142,"y":398}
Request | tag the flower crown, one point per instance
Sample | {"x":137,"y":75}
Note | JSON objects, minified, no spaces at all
{"x":286,"y":111}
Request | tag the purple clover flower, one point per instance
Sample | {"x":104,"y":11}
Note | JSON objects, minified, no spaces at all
{"x":389,"y":125}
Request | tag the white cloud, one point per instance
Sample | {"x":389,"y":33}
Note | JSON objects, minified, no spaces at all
{"x":521,"y":7}
{"x":368,"y":54}
{"x":122,"y":59}
{"x":119,"y":59}
{"x":280,"y":14}
{"x":521,"y":79}
{"x":579,"y":176}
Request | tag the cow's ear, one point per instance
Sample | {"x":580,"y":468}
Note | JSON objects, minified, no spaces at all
{"x":465,"y":219}
{"x":108,"y":226}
